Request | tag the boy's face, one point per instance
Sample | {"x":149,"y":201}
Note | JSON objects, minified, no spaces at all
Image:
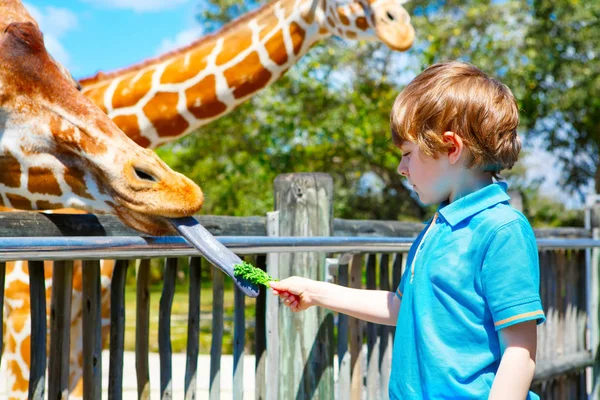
{"x":429,"y":177}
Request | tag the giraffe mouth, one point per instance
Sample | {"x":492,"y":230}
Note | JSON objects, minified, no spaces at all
{"x":150,"y":224}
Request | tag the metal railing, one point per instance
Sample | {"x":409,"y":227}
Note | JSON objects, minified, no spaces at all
{"x":134,"y":247}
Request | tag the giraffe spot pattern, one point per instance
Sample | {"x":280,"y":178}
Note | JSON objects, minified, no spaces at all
{"x":129,"y":92}
{"x":179,"y":71}
{"x":46,"y":205}
{"x":361,"y":23}
{"x":42,"y":180}
{"x":297,"y":34}
{"x":10,"y":170}
{"x":81,"y":140}
{"x":234,"y":44}
{"x":129,"y":124}
{"x":276,"y":48}
{"x":202,"y":99}
{"x":248,"y":76}
{"x":75,"y":178}
{"x":96,"y":95}
{"x":20,"y":202}
{"x":344,"y":19}
{"x":162,"y":111}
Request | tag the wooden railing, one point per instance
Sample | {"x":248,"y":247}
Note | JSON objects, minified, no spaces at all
{"x":363,"y":350}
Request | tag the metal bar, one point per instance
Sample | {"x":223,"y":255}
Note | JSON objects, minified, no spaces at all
{"x":117,"y":331}
{"x":92,"y":332}
{"x":239,"y":334}
{"x":164,"y":330}
{"x":60,"y":333}
{"x":142,"y":329}
{"x":37,"y":292}
{"x":214,"y":390}
{"x":191,"y":365}
{"x":56,"y":248}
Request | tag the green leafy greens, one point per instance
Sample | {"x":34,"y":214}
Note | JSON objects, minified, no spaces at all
{"x":251,"y":273}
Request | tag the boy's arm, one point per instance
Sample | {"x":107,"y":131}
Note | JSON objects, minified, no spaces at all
{"x":376,"y":306}
{"x":517,"y":366}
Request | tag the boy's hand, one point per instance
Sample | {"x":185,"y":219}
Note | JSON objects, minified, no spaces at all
{"x":296,"y":293}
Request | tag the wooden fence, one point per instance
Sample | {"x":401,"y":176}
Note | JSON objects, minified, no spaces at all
{"x":363,"y":350}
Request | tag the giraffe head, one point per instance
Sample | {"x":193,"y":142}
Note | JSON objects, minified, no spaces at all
{"x":386,"y":20}
{"x":59,"y":150}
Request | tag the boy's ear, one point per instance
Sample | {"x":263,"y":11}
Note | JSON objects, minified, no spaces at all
{"x":457,"y":146}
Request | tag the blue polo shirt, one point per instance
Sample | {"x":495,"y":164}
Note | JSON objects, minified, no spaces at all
{"x":476,"y":271}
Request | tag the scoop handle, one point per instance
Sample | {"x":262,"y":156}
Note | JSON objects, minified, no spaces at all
{"x":213,"y":250}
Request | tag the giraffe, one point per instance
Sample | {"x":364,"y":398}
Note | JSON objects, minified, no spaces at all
{"x":160,"y":100}
{"x":165,"y":98}
{"x":58,"y":150}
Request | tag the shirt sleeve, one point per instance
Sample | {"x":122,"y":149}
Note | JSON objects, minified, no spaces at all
{"x":511,"y":275}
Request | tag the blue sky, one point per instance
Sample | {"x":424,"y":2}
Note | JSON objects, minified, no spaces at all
{"x":88,"y":36}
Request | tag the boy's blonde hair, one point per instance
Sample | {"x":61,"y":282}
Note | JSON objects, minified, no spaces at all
{"x":459,"y":97}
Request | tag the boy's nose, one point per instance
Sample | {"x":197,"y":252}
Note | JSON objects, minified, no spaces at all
{"x":402,"y":170}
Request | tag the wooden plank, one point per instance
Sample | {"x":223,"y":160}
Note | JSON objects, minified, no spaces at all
{"x":304,"y":202}
{"x":342,"y":345}
{"x":117,"y":331}
{"x":372,"y":337}
{"x":217,"y":336}
{"x":271,"y":377}
{"x":60,"y":329}
{"x":37,"y":294}
{"x":17,"y":224}
{"x":92,"y":330}
{"x":164,"y":330}
{"x":193,"y":337}
{"x":356,"y":227}
{"x":142,"y":329}
{"x":563,"y":365}
{"x":355,"y":329}
{"x":385,"y":332}
{"x":260,"y":339}
{"x":239,"y":334}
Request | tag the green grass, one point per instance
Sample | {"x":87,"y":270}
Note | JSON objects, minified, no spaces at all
{"x":179,"y":318}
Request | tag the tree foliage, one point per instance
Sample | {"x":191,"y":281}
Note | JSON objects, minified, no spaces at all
{"x":547,"y":52}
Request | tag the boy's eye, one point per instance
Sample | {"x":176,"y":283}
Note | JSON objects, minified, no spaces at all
{"x":406,"y":154}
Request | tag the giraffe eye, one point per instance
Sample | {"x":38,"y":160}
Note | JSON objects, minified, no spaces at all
{"x":144,"y":175}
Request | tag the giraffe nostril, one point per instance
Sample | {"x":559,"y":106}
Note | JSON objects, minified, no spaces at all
{"x":390,"y":16}
{"x":144,"y":175}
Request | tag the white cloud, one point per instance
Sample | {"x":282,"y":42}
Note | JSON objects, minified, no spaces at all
{"x":138,"y":5}
{"x":182,"y":39}
{"x":55,"y":23}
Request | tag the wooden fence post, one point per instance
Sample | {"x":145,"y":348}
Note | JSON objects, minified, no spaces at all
{"x":304,"y":202}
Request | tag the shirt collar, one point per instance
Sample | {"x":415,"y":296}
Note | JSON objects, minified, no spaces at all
{"x":473,"y":203}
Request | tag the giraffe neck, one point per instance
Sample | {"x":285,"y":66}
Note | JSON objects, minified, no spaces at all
{"x":173,"y":95}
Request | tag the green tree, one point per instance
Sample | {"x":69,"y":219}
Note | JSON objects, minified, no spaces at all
{"x":546,"y":51}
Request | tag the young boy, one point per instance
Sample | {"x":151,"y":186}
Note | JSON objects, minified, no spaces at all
{"x":468,"y":303}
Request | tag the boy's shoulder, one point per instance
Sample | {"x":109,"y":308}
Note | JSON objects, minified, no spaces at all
{"x":504,"y":216}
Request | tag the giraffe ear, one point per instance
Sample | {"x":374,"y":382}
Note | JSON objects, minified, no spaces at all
{"x":21,"y":38}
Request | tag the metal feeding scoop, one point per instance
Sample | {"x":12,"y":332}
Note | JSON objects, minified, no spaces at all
{"x":214,"y":251}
